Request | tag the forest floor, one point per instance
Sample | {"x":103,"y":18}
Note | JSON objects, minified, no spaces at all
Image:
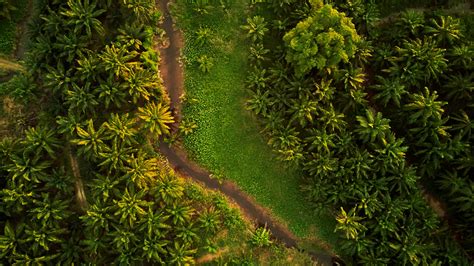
{"x":228,"y":141}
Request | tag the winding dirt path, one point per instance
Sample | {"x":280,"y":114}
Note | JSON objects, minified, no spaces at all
{"x":173,"y":79}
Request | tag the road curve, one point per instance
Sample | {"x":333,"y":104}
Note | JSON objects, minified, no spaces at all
{"x":172,"y":75}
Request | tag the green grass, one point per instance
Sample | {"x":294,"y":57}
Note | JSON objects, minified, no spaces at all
{"x":8,"y":27}
{"x":228,"y":140}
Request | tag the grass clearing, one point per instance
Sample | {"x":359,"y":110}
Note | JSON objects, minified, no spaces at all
{"x":228,"y":141}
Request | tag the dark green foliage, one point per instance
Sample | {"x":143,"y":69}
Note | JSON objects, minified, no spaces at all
{"x":373,"y":129}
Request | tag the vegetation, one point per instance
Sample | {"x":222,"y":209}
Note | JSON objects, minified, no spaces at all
{"x":374,"y":124}
{"x":11,"y":13}
{"x":81,"y":182}
{"x":226,"y":138}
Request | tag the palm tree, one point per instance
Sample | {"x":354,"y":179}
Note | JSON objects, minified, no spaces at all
{"x":205,"y":63}
{"x":121,"y":129}
{"x":82,"y":16}
{"x":118,"y":60}
{"x":209,"y":220}
{"x":392,"y":151}
{"x":181,"y":254}
{"x":154,"y":224}
{"x":16,"y":198}
{"x":11,"y":239}
{"x":156,"y":118}
{"x":103,"y":187}
{"x":411,"y":21}
{"x":257,"y":54}
{"x":131,"y":207}
{"x":154,"y":250}
{"x":373,"y":126}
{"x":88,"y":66}
{"x":256,"y":28}
{"x":70,"y":46}
{"x":96,"y":220}
{"x":260,"y":102}
{"x":142,"y":171}
{"x":124,"y":240}
{"x":331,"y":120}
{"x":141,"y":9}
{"x":320,"y":140}
{"x":49,"y":212}
{"x":447,"y":30}
{"x":110,"y":93}
{"x":41,"y":139}
{"x":389,"y":90}
{"x":58,"y":79}
{"x":460,"y":87}
{"x":81,"y":99}
{"x":187,"y":233}
{"x":261,"y":237}
{"x":349,"y":224}
{"x":68,"y":124}
{"x":203,"y":36}
{"x":463,"y":124}
{"x":418,"y":60}
{"x":28,"y":168}
{"x":187,"y":126}
{"x":353,"y":78}
{"x":131,"y":36}
{"x":180,"y":214}
{"x":424,"y":107}
{"x":141,"y":84}
{"x":169,"y":189}
{"x":115,"y":157}
{"x":257,"y":78}
{"x":41,"y":238}
{"x":90,"y":141}
{"x":302,"y":110}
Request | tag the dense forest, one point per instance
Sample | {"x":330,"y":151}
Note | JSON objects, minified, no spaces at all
{"x":83,"y":183}
{"x":377,"y":112}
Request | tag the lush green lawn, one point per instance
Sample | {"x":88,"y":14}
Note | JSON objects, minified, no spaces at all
{"x":8,"y":27}
{"x":228,"y":140}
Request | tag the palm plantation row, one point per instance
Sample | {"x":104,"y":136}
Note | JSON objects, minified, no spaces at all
{"x":371,"y":110}
{"x":94,"y":72}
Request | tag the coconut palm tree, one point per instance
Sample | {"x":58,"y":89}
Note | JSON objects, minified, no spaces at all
{"x":81,"y":99}
{"x":373,"y":126}
{"x":49,"y":211}
{"x":424,"y":107}
{"x":156,"y":118}
{"x":181,"y":254}
{"x":104,"y":187}
{"x":389,"y":91}
{"x":260,"y":102}
{"x":154,"y":250}
{"x":131,"y":207}
{"x":114,"y":158}
{"x":91,"y":141}
{"x":169,"y":189}
{"x":120,"y":128}
{"x":82,"y":17}
{"x":29,"y":168}
{"x":446,"y":30}
{"x":141,"y":170}
{"x":205,"y":63}
{"x":110,"y":93}
{"x":41,"y":139}
{"x":154,"y":224}
{"x":11,"y":239}
{"x":141,"y":84}
{"x":141,"y":9}
{"x":349,"y":223}
{"x":118,"y":60}
{"x":256,"y":28}
{"x":411,"y":21}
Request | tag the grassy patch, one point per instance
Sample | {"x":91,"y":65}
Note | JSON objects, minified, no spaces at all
{"x":8,"y":27}
{"x":228,"y":140}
